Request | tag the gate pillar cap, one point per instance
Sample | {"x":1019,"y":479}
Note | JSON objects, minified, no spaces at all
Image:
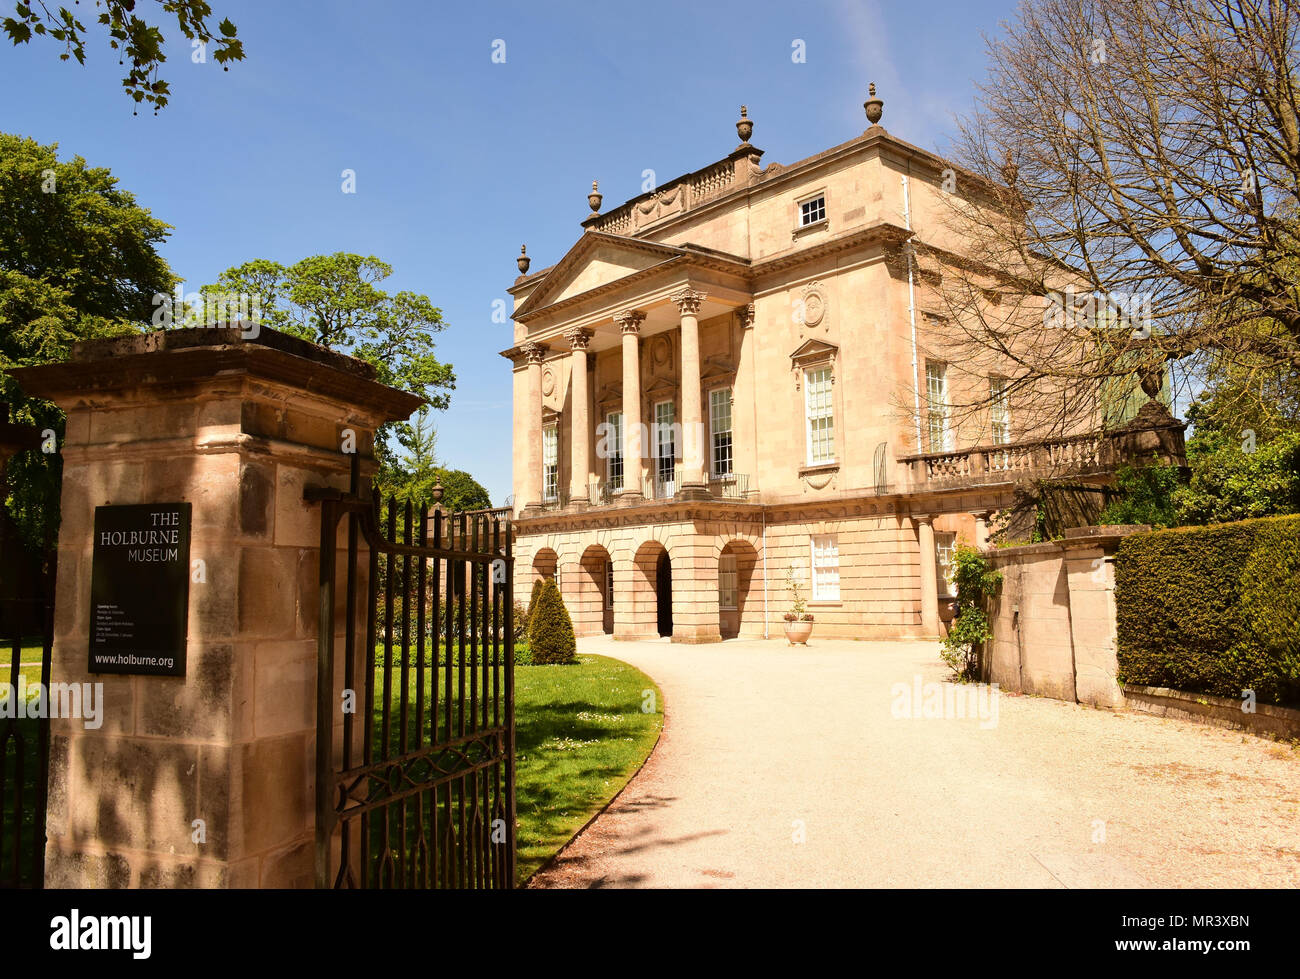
{"x":203,"y":355}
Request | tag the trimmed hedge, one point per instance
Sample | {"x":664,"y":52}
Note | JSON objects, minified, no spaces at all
{"x":550,"y":630}
{"x":1212,"y":609}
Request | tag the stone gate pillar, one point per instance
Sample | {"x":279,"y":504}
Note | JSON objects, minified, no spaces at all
{"x":206,"y":779}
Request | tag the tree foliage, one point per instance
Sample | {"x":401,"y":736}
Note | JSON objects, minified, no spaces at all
{"x":1146,"y":155}
{"x":78,"y":261}
{"x":138,"y":41}
{"x":976,"y":583}
{"x":336,"y":301}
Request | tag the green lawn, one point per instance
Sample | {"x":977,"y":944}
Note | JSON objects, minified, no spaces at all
{"x":580,"y":734}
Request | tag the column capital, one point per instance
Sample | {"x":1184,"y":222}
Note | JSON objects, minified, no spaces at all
{"x":533,"y":352}
{"x":922,"y":519}
{"x":688,"y":301}
{"x":630,"y":320}
{"x":579,"y":338}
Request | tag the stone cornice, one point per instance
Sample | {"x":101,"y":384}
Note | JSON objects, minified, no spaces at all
{"x":199,"y":357}
{"x":849,"y":507}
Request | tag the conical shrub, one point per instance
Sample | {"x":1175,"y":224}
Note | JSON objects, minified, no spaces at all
{"x":532,"y":601}
{"x":550,"y":630}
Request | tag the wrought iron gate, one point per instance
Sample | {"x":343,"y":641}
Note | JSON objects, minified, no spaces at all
{"x":26,"y":634}
{"x":26,"y":638}
{"x":421,"y":792}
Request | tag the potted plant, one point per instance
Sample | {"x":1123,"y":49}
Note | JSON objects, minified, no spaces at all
{"x":798,"y":621}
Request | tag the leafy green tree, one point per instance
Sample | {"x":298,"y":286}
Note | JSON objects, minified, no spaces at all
{"x":336,"y":301}
{"x":138,"y":41}
{"x":461,"y":491}
{"x":1235,"y":480}
{"x":78,"y":261}
{"x":411,"y":475}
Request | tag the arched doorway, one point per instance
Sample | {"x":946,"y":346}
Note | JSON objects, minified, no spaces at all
{"x":652,"y":597}
{"x":736,"y":564}
{"x":594,"y":608}
{"x":664,"y":594}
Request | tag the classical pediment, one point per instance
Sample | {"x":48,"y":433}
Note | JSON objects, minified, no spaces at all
{"x":597,"y":260}
{"x":715,"y":369}
{"x":664,"y":387}
{"x":813,"y":351}
{"x":609,"y":393}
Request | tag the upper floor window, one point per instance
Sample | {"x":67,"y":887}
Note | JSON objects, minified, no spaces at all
{"x":720,"y":458}
{"x":812,"y":210}
{"x":999,"y":410}
{"x":936,"y":400}
{"x":825,"y":568}
{"x":550,"y":462}
{"x":614,"y":450}
{"x":665,"y":444}
{"x":820,"y":416}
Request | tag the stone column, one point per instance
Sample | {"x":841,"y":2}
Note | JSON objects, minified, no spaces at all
{"x":630,"y":322}
{"x":532,"y":481}
{"x":929,"y":578}
{"x":981,"y":530}
{"x":206,"y":779}
{"x":743,"y":418}
{"x":579,"y":421}
{"x":693,"y":485}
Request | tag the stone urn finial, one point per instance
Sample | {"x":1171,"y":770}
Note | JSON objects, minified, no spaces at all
{"x":437,"y":493}
{"x":594,"y":198}
{"x":523,"y":261}
{"x":874,"y":106}
{"x":744,"y":126}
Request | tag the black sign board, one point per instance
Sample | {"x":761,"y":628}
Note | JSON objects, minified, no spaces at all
{"x":140,"y":589}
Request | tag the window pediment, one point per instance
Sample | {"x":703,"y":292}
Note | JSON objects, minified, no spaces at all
{"x":813,"y":352}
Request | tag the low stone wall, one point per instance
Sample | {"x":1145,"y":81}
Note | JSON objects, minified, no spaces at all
{"x":1053,"y":620}
{"x":1266,"y":720}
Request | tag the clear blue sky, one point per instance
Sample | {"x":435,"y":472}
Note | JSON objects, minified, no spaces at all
{"x":459,"y":159}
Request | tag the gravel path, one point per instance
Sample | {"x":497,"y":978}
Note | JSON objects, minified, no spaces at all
{"x":786,"y":767}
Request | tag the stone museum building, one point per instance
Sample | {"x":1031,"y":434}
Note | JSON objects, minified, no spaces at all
{"x":709,"y":393}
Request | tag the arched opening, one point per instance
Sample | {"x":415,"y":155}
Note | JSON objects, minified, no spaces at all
{"x":736,"y":566}
{"x":593,"y":611}
{"x":664,"y":594}
{"x":546,"y":564}
{"x":652,"y":595}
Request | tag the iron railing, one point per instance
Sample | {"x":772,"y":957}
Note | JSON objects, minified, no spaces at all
{"x":27,"y":634}
{"x":421,"y":792}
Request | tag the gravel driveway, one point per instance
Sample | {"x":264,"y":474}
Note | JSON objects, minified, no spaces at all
{"x":787,"y":767}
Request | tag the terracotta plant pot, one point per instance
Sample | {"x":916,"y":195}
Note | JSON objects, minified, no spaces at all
{"x":798,"y":632}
